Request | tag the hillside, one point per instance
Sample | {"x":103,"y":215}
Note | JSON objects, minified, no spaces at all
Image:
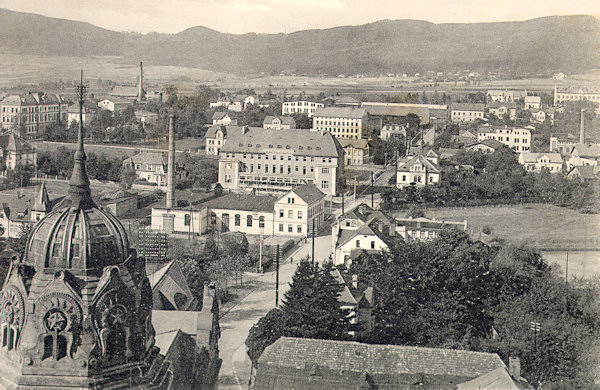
{"x":545,"y":45}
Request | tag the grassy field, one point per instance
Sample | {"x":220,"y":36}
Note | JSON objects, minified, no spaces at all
{"x":539,"y":225}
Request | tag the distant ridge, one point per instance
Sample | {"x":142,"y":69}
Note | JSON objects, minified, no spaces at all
{"x":544,"y":45}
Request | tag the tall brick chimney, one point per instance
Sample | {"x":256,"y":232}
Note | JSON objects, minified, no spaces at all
{"x":171,"y":163}
{"x":141,"y":84}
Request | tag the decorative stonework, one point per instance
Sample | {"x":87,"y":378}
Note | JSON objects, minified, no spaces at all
{"x":12,"y":316}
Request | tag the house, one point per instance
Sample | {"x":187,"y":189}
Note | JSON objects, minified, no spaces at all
{"x":390,"y":130}
{"x":251,"y":100}
{"x":585,"y":172}
{"x":341,"y":122}
{"x":300,"y":106}
{"x":358,"y":300}
{"x":464,"y":137}
{"x":356,"y":151}
{"x":584,"y":154}
{"x":535,"y":162}
{"x":299,"y":363}
{"x":146,"y":117}
{"x":184,"y":221}
{"x":223,"y":118}
{"x":170,"y":290}
{"x":501,"y":109}
{"x":533,"y":102}
{"x":424,"y":228}
{"x":505,"y":96}
{"x":279,"y":160}
{"x":360,"y":229}
{"x":300,"y":210}
{"x":538,"y":115}
{"x":466,"y":112}
{"x":279,"y":122}
{"x":485,"y":146}
{"x":517,"y":139}
{"x":230,"y":105}
{"x":149,"y":166}
{"x":89,"y":109}
{"x":243,"y":213}
{"x":114,"y":105}
{"x":28,"y":114}
{"x":215,"y":137}
{"x":420,"y":170}
{"x":17,"y":152}
{"x":563,"y":143}
{"x":23,"y":209}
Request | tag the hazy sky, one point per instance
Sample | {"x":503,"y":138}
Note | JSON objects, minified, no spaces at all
{"x":273,"y":16}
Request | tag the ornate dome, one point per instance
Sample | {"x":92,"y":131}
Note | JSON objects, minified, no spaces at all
{"x":77,"y":239}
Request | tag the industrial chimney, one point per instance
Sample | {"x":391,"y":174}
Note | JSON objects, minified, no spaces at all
{"x":141,"y":84}
{"x":581,"y":129}
{"x":171,"y":163}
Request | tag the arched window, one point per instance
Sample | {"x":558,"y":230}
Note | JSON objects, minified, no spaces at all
{"x":237,"y":220}
{"x":249,"y":221}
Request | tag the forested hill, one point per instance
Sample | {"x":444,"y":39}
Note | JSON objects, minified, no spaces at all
{"x":545,"y":45}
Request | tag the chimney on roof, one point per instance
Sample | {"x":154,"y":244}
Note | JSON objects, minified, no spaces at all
{"x":171,"y":163}
{"x":514,"y":367}
{"x":355,"y":281}
{"x":581,"y":129}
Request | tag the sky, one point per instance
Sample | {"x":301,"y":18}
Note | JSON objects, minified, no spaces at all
{"x":275,"y":16}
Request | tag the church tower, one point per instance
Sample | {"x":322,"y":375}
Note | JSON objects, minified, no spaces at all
{"x":75,"y":309}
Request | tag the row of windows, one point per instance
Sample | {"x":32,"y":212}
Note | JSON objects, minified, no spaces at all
{"x":30,"y":109}
{"x":290,"y":228}
{"x":463,"y":113}
{"x":337,"y":122}
{"x":281,"y":157}
{"x":290,"y":214}
{"x":372,"y":244}
{"x":302,"y":103}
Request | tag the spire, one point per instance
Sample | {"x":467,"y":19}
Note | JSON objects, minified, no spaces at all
{"x":42,"y":202}
{"x":79,"y":190}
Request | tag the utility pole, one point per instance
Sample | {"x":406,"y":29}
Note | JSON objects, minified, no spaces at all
{"x":260,"y":254}
{"x":372,"y":192}
{"x":396,"y":168}
{"x":277,"y":277}
{"x":313,"y":241}
{"x":567,"y":269}
{"x":354,"y":198}
{"x":342,"y":202}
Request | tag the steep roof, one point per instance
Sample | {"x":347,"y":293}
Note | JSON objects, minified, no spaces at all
{"x":42,"y":202}
{"x":419,"y":159}
{"x":585,"y":150}
{"x":389,"y":366}
{"x":586,"y":172}
{"x":468,"y":107}
{"x":152,"y":158}
{"x":493,"y":380}
{"x":285,"y":120}
{"x":307,"y":192}
{"x":360,"y":143}
{"x":217,"y":116}
{"x":15,"y":144}
{"x":340,"y":112}
{"x":492,"y":143}
{"x":299,"y":141}
{"x":246,"y":202}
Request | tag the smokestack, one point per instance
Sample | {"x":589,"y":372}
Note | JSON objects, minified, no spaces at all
{"x":141,"y":85}
{"x":581,"y":129}
{"x":171,"y":163}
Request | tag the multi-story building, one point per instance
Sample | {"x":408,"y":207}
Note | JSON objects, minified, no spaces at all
{"x":223,"y":118}
{"x":87,"y":112}
{"x":517,"y":139}
{"x":505,"y":96}
{"x":28,"y":113}
{"x":356,"y":151}
{"x":584,"y":154}
{"x":535,"y":162}
{"x":576,"y":95}
{"x":278,"y":160}
{"x":533,"y":102}
{"x":298,"y":211}
{"x":300,"y":106}
{"x":342,"y":122}
{"x":500,"y":109}
{"x":149,"y":166}
{"x":424,"y":228}
{"x":243,"y":213}
{"x":420,"y":170}
{"x":216,"y":135}
{"x":466,"y":112}
{"x":18,"y":152}
{"x":279,"y":122}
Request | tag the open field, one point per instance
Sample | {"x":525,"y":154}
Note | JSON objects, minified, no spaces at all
{"x":541,"y":226}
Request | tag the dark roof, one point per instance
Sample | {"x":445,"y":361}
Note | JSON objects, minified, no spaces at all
{"x":15,"y":144}
{"x":298,"y":141}
{"x":246,"y":202}
{"x":397,"y":110}
{"x":360,"y":143}
{"x":340,"y":112}
{"x":468,"y":107}
{"x":217,"y":116}
{"x":586,"y":172}
{"x":295,"y":363}
{"x":308,"y":193}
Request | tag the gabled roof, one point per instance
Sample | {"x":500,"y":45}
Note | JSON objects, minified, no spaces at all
{"x":498,"y":104}
{"x":125,"y":90}
{"x":245,"y":202}
{"x":15,"y":144}
{"x":389,"y":366}
{"x":307,"y":192}
{"x":493,"y":380}
{"x":533,"y":99}
{"x":419,"y":159}
{"x":152,"y":158}
{"x":340,"y":112}
{"x":217,"y":116}
{"x":586,"y":172}
{"x":299,"y":141}
{"x":345,"y":296}
{"x":585,"y":150}
{"x":285,"y":120}
{"x":360,"y":143}
{"x":531,"y":157}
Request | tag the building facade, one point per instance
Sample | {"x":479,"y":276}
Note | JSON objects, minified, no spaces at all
{"x":298,"y":211}
{"x":300,"y":106}
{"x":342,"y":122}
{"x":466,"y":112}
{"x":535,"y":162}
{"x":28,"y":114}
{"x":278,"y":160}
{"x":580,"y":94}
{"x":279,"y":122}
{"x":149,"y":166}
{"x":517,"y":139}
{"x":420,"y":170}
{"x":356,"y":151}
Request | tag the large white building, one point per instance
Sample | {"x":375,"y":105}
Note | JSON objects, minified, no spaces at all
{"x":278,"y":160}
{"x":420,"y":170}
{"x":27,"y":114}
{"x":300,"y":106}
{"x":505,"y":96}
{"x":576,"y":95}
{"x":466,"y":112}
{"x":517,"y":139}
{"x":535,"y":162}
{"x":342,"y":122}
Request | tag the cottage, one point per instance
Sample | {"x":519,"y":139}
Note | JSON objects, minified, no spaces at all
{"x":418,"y":170}
{"x":279,"y":122}
{"x":535,"y":162}
{"x":149,"y":166}
{"x":356,"y":151}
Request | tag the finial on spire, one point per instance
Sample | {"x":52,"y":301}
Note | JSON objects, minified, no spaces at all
{"x":80,"y":184}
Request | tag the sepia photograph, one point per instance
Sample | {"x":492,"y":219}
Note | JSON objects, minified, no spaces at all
{"x":299,"y":195}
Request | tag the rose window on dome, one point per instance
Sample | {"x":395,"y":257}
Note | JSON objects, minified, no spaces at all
{"x":60,"y":317}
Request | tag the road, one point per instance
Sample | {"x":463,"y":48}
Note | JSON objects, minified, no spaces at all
{"x":236,"y":323}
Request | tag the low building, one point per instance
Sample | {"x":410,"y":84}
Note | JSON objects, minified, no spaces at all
{"x":230,"y":105}
{"x":299,"y":211}
{"x":89,"y":109}
{"x":504,"y":96}
{"x":584,"y":154}
{"x":535,"y":162}
{"x":466,"y":112}
{"x":114,"y":105}
{"x":500,"y":109}
{"x":184,"y":221}
{"x":420,"y":170}
{"x":390,"y":130}
{"x":251,"y":100}
{"x":538,"y":115}
{"x":358,"y":299}
{"x":149,"y":166}
{"x":170,"y":290}
{"x":533,"y":102}
{"x":585,"y":173}
{"x":396,"y":111}
{"x":300,"y":363}
{"x":422,"y":229}
{"x":356,"y":151}
{"x":243,"y":213}
{"x":279,"y":122}
{"x":485,"y":146}
{"x":223,"y":118}
{"x":517,"y":139}
{"x":146,"y":117}
{"x":301,"y":107}
{"x":341,"y":122}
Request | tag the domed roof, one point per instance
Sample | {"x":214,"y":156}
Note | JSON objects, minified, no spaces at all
{"x":79,"y":235}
